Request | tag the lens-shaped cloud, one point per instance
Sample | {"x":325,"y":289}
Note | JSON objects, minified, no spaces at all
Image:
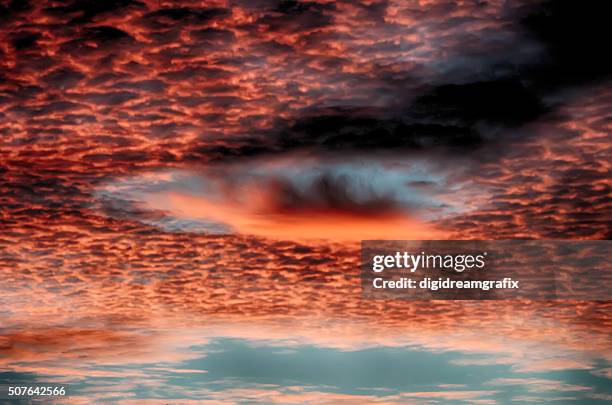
{"x":296,"y":197}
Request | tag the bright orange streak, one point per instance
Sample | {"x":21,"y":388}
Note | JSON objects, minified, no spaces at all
{"x":309,"y":225}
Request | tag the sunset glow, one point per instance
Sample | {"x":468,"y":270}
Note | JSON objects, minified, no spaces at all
{"x":184,"y":186}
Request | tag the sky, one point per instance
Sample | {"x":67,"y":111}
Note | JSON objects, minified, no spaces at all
{"x":184,"y":185}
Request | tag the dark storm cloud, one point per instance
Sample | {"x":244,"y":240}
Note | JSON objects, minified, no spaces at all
{"x":347,"y":130}
{"x":576,"y":37}
{"x":329,"y":193}
{"x":505,"y":101}
{"x":446,"y":118}
{"x":458,"y":115}
{"x":97,"y":89}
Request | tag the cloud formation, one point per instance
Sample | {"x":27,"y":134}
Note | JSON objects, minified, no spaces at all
{"x":151,"y":151}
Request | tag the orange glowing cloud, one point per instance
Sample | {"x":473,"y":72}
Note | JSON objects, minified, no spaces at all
{"x":251,"y":220}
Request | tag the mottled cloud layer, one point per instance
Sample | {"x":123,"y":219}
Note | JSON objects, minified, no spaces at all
{"x":155,"y":156}
{"x":90,"y":92}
